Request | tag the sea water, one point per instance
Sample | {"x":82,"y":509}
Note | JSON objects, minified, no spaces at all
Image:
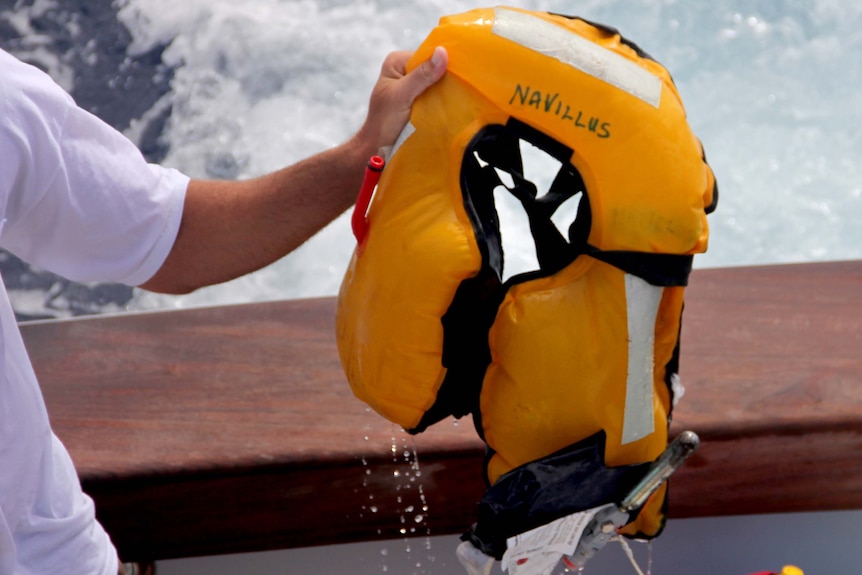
{"x":251,"y":85}
{"x":770,"y":88}
{"x":236,"y":88}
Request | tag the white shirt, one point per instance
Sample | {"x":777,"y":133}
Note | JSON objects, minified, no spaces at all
{"x":78,"y":199}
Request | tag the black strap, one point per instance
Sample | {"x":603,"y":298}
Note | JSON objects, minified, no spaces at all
{"x":536,"y":493}
{"x":656,"y":269}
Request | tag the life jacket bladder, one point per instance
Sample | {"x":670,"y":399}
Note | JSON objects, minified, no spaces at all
{"x":562,"y":340}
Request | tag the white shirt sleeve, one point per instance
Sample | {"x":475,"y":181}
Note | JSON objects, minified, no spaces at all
{"x":77,"y":197}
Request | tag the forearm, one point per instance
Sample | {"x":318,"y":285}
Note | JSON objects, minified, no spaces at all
{"x":230,"y":228}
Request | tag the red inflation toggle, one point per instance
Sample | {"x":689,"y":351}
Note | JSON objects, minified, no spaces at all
{"x":359,"y":221}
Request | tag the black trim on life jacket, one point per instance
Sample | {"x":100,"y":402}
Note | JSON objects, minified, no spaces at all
{"x":657,"y":269}
{"x":571,"y":480}
{"x":497,"y":147}
{"x":672,"y":368}
{"x":466,"y":353}
{"x":714,"y":203}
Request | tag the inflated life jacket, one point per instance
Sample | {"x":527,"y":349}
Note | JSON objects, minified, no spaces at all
{"x":561,"y":340}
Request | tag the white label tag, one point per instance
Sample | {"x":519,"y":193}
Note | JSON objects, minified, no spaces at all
{"x":538,"y":551}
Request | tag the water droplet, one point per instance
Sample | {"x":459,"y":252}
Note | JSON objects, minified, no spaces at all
{"x":409,"y":509}
{"x":384,"y":551}
{"x":419,"y":518}
{"x":649,"y":557}
{"x":396,"y":473}
{"x":374,"y":509}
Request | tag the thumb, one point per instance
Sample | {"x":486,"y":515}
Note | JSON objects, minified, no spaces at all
{"x":426,"y":73}
{"x":393,"y":95}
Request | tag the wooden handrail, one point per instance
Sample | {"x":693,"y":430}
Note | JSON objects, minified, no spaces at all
{"x":232,"y":428}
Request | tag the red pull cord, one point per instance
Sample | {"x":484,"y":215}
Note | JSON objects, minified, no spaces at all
{"x":359,"y":221}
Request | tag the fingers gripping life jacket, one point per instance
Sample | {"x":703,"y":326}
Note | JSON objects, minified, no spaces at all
{"x":561,"y":340}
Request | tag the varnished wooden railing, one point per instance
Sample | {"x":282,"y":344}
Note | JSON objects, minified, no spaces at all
{"x":227,"y":429}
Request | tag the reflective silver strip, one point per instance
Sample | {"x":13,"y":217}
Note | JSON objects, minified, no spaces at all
{"x":557,"y":42}
{"x":642,"y":301}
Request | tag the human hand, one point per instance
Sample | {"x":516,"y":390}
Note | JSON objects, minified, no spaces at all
{"x":393,"y":95}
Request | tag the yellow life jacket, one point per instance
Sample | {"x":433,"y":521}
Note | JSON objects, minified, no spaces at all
{"x":579,"y":342}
